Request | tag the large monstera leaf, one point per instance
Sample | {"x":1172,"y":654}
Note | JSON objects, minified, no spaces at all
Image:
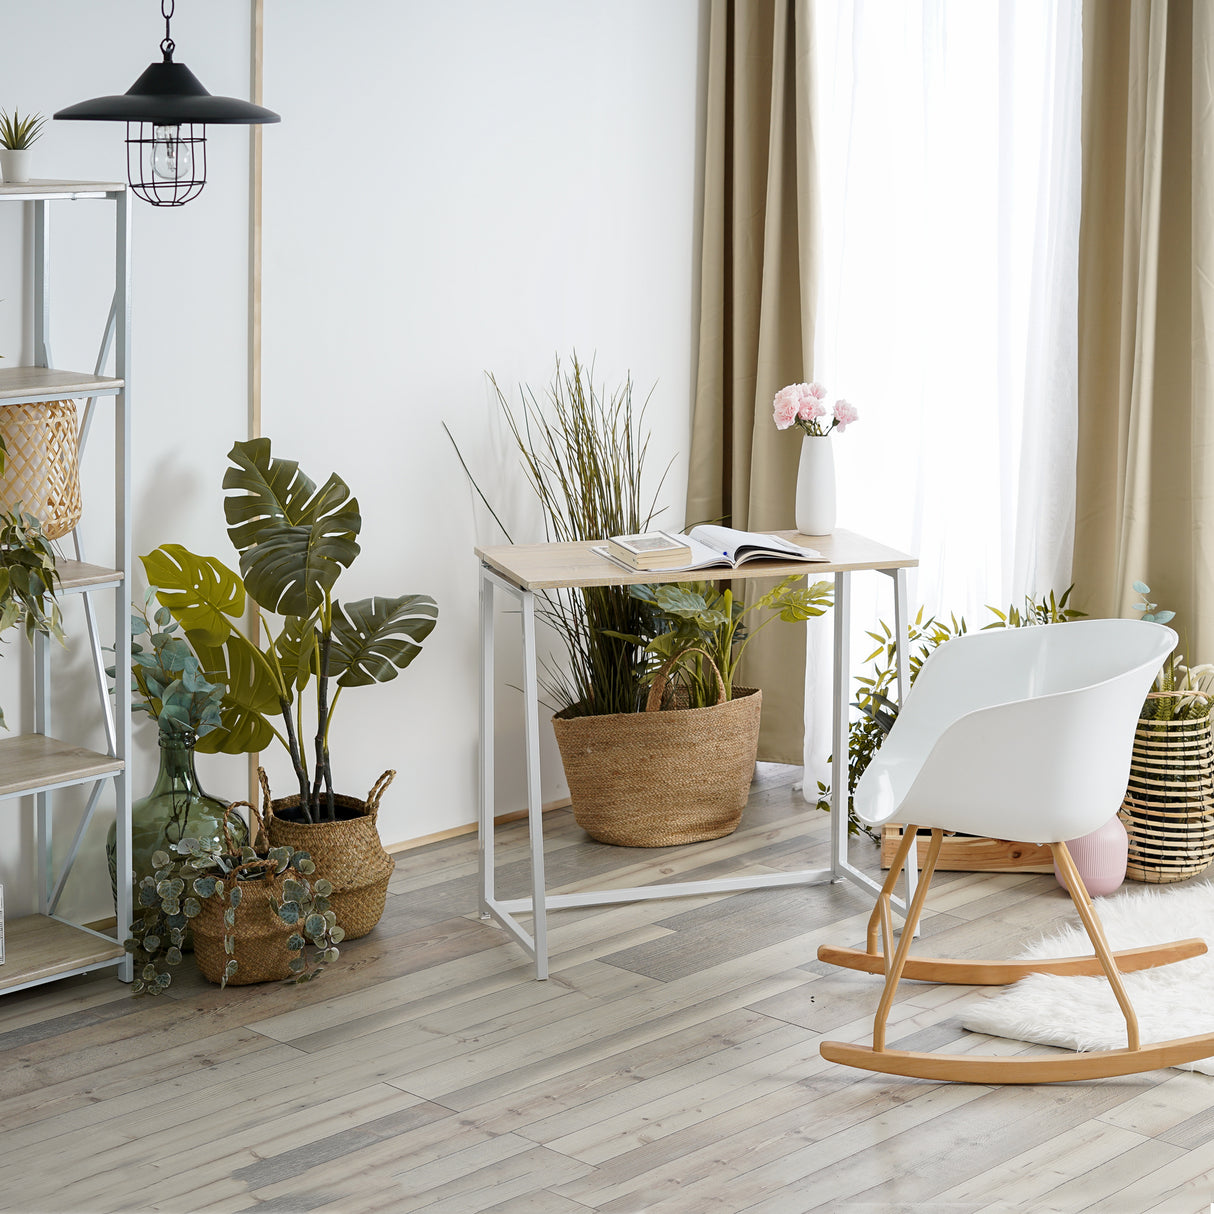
{"x":202,"y":593}
{"x":293,"y":539}
{"x":296,"y":649}
{"x":251,"y":695}
{"x":374,"y":638}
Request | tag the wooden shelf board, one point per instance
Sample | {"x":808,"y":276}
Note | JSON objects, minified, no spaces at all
{"x":37,"y":949}
{"x":48,"y":187}
{"x":47,"y":383}
{"x":77,"y":575}
{"x":969,"y":854}
{"x":33,"y":761}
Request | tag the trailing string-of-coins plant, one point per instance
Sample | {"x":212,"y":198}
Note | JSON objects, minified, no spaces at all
{"x":202,"y":869}
{"x":878,"y":711}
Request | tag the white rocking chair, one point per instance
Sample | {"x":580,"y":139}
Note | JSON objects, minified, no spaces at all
{"x":1019,"y":733}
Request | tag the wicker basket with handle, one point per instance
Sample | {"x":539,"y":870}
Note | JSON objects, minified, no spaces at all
{"x":348,"y":852}
{"x":662,"y":777}
{"x":1168,"y":810}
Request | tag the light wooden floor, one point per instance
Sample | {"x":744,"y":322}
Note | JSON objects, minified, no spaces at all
{"x":670,"y":1066}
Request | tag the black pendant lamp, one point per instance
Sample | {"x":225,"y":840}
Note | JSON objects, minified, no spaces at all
{"x":166,"y":111}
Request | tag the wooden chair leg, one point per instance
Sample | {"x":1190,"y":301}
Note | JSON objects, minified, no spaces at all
{"x":893,"y":972}
{"x":1100,"y":943}
{"x":881,"y":916}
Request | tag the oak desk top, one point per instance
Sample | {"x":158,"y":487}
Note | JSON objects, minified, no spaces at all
{"x":552,"y":566}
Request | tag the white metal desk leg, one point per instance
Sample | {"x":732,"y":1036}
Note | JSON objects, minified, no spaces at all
{"x":840,"y":751}
{"x":901,"y":626}
{"x":485,"y":804}
{"x":535,"y":808}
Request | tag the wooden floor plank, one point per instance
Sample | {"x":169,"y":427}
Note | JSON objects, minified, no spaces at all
{"x":669,"y":1065}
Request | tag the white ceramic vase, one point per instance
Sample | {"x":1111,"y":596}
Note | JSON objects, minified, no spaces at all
{"x":816,"y":486}
{"x":15,"y":164}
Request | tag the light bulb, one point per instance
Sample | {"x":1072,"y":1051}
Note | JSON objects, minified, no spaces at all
{"x":172,"y":160}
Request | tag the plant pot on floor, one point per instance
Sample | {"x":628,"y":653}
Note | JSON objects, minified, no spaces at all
{"x":347,"y":852}
{"x":663,"y":776}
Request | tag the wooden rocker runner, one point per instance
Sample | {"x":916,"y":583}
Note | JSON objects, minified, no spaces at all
{"x":1026,"y":734}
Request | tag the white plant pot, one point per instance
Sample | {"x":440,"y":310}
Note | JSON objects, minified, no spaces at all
{"x":816,"y":486}
{"x":15,"y":164}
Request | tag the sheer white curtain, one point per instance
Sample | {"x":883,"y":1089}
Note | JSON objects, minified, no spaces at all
{"x":948,"y":137}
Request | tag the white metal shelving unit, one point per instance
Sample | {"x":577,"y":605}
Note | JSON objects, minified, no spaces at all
{"x":45,"y":946}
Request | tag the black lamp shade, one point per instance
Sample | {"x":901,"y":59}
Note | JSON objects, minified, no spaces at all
{"x":167,"y":94}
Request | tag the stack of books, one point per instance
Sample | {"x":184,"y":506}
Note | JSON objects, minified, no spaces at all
{"x":652,"y":550}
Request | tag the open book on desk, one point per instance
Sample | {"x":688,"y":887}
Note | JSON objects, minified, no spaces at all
{"x":716,"y":547}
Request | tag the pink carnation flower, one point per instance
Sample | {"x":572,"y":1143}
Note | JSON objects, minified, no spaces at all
{"x":784,"y":409}
{"x":845,"y":414}
{"x":817,"y":390}
{"x":811,"y":407}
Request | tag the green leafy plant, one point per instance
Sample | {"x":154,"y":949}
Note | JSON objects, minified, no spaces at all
{"x":17,"y":133}
{"x":700,"y":616}
{"x":1193,"y":686}
{"x":167,"y":682}
{"x":29,"y":579}
{"x":924,"y":634}
{"x":294,"y":540}
{"x":201,"y":869}
{"x":584,"y":452}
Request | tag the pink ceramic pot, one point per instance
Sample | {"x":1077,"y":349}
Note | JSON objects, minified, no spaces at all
{"x":1100,"y":858}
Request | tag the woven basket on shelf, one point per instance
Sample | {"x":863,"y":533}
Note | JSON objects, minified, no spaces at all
{"x":41,"y":475}
{"x":661,"y":777}
{"x":259,"y":935}
{"x":1168,"y":809}
{"x":348,"y":852}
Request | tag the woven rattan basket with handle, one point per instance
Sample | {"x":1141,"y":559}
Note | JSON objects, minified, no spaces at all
{"x":259,"y":935}
{"x":348,"y":853}
{"x":662,"y":777}
{"x":41,"y":473}
{"x":1168,"y":811}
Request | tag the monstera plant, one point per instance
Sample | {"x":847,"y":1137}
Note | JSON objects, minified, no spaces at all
{"x":294,"y":540}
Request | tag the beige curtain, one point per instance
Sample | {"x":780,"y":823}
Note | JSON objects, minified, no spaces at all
{"x":757,"y":307}
{"x":1145,"y":476}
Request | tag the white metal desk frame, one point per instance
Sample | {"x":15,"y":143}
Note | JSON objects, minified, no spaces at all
{"x":498,"y":573}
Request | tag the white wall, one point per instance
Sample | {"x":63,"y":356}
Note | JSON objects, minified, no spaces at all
{"x":454,"y":188}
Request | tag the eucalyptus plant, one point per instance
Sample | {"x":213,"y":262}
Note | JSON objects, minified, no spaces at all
{"x":17,"y":133}
{"x":924,"y":635}
{"x":29,"y":579}
{"x":694,"y":616}
{"x":294,"y":539}
{"x":202,"y":869}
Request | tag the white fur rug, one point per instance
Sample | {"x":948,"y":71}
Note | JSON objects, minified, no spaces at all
{"x":1081,"y":1013}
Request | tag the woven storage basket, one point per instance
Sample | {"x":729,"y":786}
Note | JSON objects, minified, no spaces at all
{"x":348,"y":853}
{"x":1168,"y":809}
{"x":661,"y":777}
{"x":259,"y":935}
{"x":41,"y":475}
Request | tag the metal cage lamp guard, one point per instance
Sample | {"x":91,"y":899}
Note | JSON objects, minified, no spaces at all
{"x":166,"y":112}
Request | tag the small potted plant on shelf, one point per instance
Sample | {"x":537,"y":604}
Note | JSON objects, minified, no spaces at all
{"x":17,"y":137}
{"x":294,"y":540}
{"x":167,"y":685}
{"x":254,"y":915}
{"x":29,"y":578}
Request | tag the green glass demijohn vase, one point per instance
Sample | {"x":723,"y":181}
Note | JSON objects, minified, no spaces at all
{"x":176,"y":807}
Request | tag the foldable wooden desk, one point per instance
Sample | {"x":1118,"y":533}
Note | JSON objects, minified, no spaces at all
{"x":521,"y":570}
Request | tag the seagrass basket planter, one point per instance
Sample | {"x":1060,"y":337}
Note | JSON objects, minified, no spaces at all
{"x":663,"y":776}
{"x":1168,"y":810}
{"x":347,"y":852}
{"x":260,"y":936}
{"x":41,"y":470}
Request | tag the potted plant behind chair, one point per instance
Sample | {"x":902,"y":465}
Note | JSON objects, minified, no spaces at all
{"x":294,"y":541}
{"x":1168,"y":811}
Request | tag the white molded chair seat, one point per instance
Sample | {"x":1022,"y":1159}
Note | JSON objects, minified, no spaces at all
{"x":1024,"y":734}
